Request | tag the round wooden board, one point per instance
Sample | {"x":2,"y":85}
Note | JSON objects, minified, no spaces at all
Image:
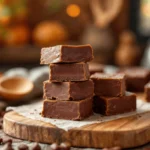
{"x":126,"y":132}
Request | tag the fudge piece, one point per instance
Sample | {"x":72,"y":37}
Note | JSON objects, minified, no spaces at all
{"x":109,"y":84}
{"x":68,"y":90}
{"x":69,"y":72}
{"x":71,"y":110}
{"x":147,"y":92}
{"x":66,"y":54}
{"x":95,"y":67}
{"x":136,"y":78}
{"x":115,"y":105}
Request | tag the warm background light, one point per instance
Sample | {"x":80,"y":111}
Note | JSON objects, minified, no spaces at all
{"x":73,"y":10}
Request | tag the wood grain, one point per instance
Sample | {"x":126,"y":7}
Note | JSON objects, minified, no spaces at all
{"x":126,"y":132}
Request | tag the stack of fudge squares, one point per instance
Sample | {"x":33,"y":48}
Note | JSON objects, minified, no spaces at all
{"x":111,"y":97}
{"x":68,"y":94}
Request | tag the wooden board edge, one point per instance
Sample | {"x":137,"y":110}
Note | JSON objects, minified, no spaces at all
{"x":77,"y":137}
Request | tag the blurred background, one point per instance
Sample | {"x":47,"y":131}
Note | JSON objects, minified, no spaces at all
{"x":118,"y":30}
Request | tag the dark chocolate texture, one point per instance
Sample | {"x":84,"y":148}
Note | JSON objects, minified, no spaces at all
{"x":66,"y":54}
{"x":68,"y":90}
{"x":115,"y":105}
{"x":69,"y":72}
{"x":70,"y":110}
{"x":109,"y":84}
{"x":136,"y":78}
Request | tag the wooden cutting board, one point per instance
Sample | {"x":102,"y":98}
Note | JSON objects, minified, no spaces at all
{"x":126,"y":132}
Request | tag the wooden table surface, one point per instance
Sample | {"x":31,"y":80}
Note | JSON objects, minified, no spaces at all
{"x":17,"y":142}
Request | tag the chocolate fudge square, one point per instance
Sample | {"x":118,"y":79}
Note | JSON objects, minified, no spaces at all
{"x":70,"y":110}
{"x":66,"y":54}
{"x":68,"y":90}
{"x":109,"y":84}
{"x":95,"y":67}
{"x":136,"y":78}
{"x":115,"y":105}
{"x":69,"y":72}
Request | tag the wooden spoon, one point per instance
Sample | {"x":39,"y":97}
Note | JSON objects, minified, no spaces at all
{"x":14,"y":88}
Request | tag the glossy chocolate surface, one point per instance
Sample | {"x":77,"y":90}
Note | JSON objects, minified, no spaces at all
{"x":66,"y":54}
{"x":115,"y":105}
{"x":109,"y":84}
{"x":136,"y":78}
{"x":68,"y":90}
{"x":69,"y":72}
{"x":70,"y":110}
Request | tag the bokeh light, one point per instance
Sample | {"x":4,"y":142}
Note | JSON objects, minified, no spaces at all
{"x":73,"y":10}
